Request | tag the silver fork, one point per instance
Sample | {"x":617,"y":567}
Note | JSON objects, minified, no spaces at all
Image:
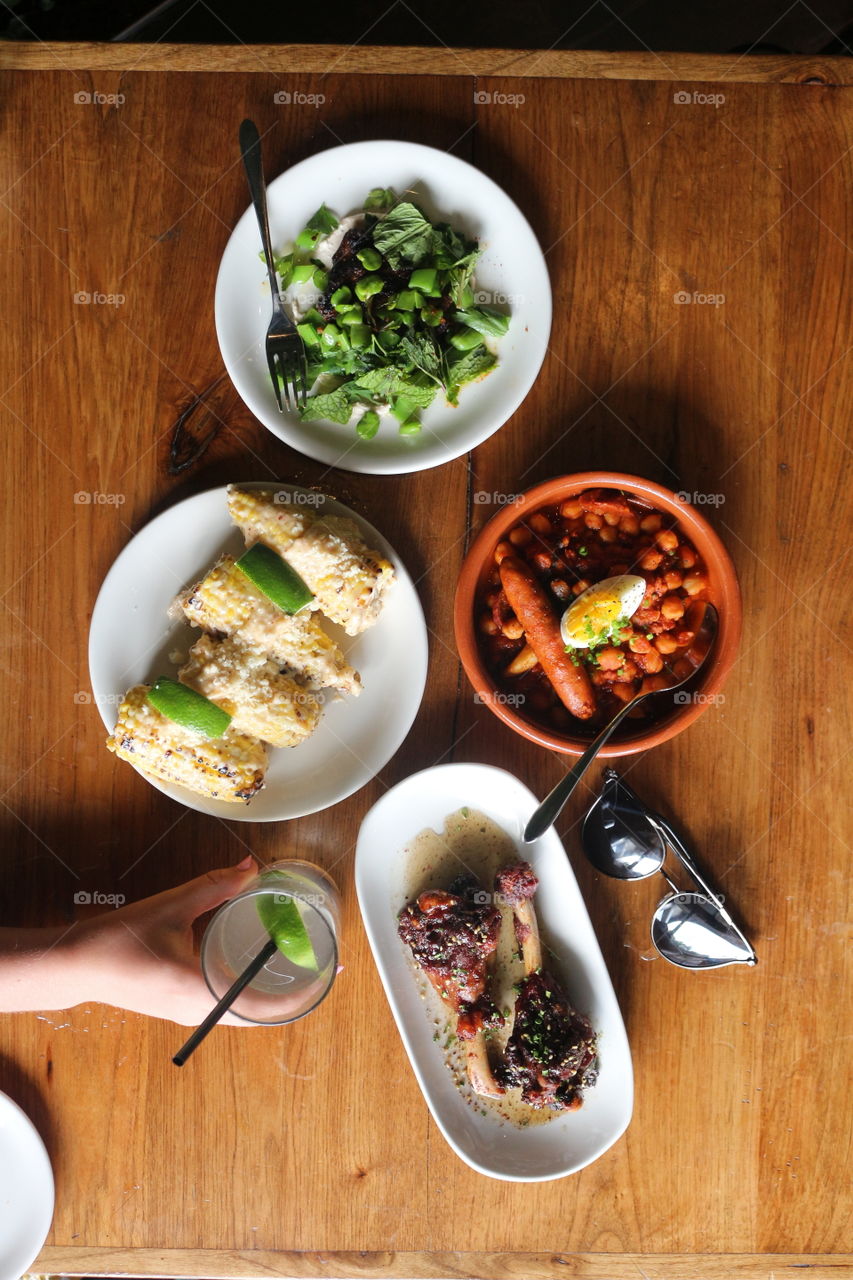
{"x":284,"y":348}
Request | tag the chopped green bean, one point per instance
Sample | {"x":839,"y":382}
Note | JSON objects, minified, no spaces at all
{"x":367,"y":286}
{"x":370,"y":259}
{"x":308,"y":334}
{"x":359,"y":336}
{"x":466,"y":339}
{"x":425,"y":280}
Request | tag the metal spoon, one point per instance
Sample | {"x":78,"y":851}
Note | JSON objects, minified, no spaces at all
{"x":552,"y":806}
{"x":625,"y":839}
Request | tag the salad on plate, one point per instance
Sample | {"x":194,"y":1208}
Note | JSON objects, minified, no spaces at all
{"x":384,"y":301}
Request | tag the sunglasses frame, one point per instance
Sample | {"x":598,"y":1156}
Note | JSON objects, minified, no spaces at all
{"x":670,"y":840}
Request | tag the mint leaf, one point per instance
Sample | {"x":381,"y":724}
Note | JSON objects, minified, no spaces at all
{"x":419,"y":350}
{"x":404,"y":236}
{"x":485,"y":320}
{"x":323,"y":220}
{"x":416,"y":392}
{"x":470,"y":367}
{"x":387,"y":384}
{"x":379,"y":198}
{"x":333,"y":406}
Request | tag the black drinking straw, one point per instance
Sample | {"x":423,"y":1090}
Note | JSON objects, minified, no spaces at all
{"x":252,"y":969}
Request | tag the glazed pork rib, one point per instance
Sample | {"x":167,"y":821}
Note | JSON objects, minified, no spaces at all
{"x":551,"y":1053}
{"x":453,"y":938}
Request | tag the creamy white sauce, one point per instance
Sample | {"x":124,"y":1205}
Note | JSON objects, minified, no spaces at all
{"x":301,"y":297}
{"x":432,"y":860}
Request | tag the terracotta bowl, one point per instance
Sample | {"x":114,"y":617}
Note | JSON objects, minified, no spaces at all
{"x":723,"y":592}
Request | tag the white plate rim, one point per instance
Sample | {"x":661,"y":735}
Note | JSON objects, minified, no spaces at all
{"x":106,"y":697}
{"x":352,"y":454}
{"x":369,"y":839}
{"x":41,"y":1209}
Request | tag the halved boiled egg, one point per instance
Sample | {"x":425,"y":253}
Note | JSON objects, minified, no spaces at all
{"x":596,"y":613}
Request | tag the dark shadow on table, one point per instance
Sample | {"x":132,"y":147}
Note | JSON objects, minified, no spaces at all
{"x":22,"y":1087}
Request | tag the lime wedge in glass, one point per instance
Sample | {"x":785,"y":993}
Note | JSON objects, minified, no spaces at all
{"x":275,"y":578}
{"x":282,"y":919}
{"x":184,"y":706}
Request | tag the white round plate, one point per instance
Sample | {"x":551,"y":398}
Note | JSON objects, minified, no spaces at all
{"x":131,"y":637}
{"x":489,"y":1144}
{"x":511,"y":272}
{"x":26,"y":1191}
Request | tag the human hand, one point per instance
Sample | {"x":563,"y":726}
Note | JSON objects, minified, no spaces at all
{"x":140,"y":957}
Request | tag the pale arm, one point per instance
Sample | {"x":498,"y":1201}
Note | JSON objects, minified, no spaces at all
{"x":139,"y":957}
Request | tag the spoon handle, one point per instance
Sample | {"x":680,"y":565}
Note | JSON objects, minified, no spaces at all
{"x":552,"y":806}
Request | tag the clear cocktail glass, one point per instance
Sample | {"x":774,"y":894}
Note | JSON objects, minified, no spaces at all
{"x":282,"y":991}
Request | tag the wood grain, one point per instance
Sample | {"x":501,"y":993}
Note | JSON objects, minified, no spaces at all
{"x":563,"y":64}
{"x":213,"y":1264}
{"x":309,"y":1150}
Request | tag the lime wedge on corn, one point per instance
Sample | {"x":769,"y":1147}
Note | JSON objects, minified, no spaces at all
{"x":282,"y":919}
{"x":186,"y":707}
{"x":275,"y":578}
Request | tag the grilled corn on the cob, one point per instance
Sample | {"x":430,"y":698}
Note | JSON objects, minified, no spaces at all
{"x":261,"y":700}
{"x":227,"y":602}
{"x":228,"y":768}
{"x":349,"y":581}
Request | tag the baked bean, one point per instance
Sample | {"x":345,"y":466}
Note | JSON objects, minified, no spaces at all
{"x":610,"y":659}
{"x":502,"y":550}
{"x":582,"y":584}
{"x":687,"y":556}
{"x":520,"y":536}
{"x":650,"y":662}
{"x":523,"y":661}
{"x":672,"y":579}
{"x":560,"y":589}
{"x":512,"y":629}
{"x":672,"y":607}
{"x":694,"y":583}
{"x":607,"y":534}
{"x":488,"y":625}
{"x":639,"y":644}
{"x":571,"y":509}
{"x":665,"y":644}
{"x":667,"y":540}
{"x":592,"y":521}
{"x":630,"y":525}
{"x":651,"y":524}
{"x":540,"y":524}
{"x":628,"y":672}
{"x":652,"y":684}
{"x":542,"y":561}
{"x":611,"y":518}
{"x":624,"y":692}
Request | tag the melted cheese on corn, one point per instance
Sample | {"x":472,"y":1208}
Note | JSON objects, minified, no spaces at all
{"x":227,"y":602}
{"x":348,"y":579}
{"x":263,"y":701}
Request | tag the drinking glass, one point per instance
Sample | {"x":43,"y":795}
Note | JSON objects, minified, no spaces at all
{"x":283,"y":991}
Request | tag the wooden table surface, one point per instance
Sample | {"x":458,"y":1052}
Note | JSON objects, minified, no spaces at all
{"x":309,"y":1151}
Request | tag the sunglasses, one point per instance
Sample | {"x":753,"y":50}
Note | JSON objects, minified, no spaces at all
{"x":623,"y":838}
